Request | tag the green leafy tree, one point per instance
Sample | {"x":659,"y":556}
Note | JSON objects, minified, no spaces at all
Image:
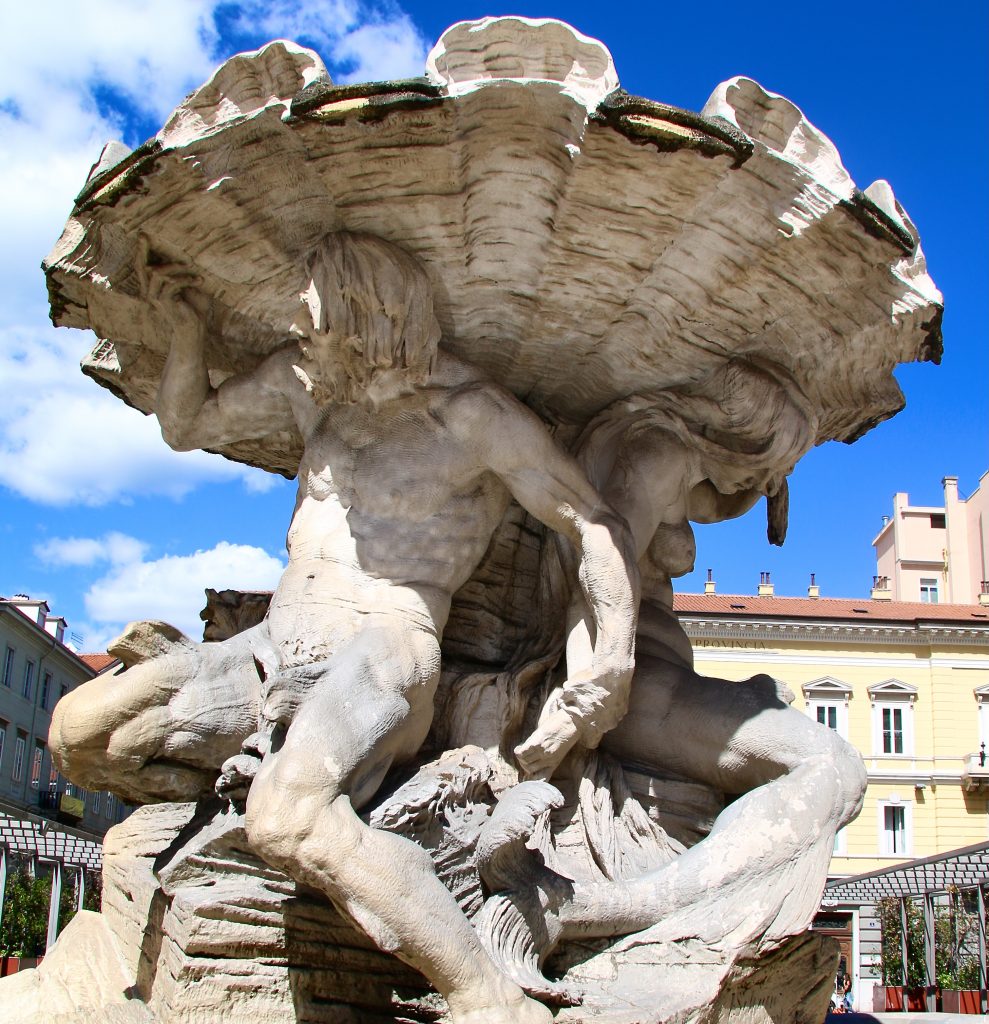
{"x":93,"y":895}
{"x":24,"y":929}
{"x":968,"y":973}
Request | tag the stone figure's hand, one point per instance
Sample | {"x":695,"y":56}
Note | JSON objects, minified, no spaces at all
{"x":236,"y":775}
{"x":238,"y":772}
{"x":588,"y":705}
{"x":286,"y":690}
{"x":553,"y":738}
{"x":173,"y":292}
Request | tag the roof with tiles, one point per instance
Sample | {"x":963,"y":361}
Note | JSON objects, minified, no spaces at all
{"x":99,"y":662}
{"x":747,"y":606}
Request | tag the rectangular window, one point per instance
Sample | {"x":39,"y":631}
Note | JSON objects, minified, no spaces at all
{"x":36,"y":761}
{"x":110,"y":801}
{"x":839,"y":843}
{"x":3,"y":737}
{"x":827,"y":714}
{"x":62,"y":690}
{"x":892,"y":730}
{"x":28,"y":688}
{"x":928,"y":591}
{"x":895,"y":829}
{"x":20,"y":744}
{"x":46,"y":690}
{"x":938,"y":521}
{"x":95,"y":803}
{"x":8,"y":667}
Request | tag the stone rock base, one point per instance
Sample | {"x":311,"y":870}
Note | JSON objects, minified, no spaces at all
{"x":195,"y":929}
{"x":221,"y":936}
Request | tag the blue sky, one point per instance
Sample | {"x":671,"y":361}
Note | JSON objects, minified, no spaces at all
{"x":100,"y":518}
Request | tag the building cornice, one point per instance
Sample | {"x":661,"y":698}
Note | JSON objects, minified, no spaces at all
{"x":749,"y":628}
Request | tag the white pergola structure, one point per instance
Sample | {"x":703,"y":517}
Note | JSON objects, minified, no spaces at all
{"x":927,"y":878}
{"x":45,"y":841}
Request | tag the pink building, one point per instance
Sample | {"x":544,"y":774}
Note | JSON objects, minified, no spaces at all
{"x":936,"y":554}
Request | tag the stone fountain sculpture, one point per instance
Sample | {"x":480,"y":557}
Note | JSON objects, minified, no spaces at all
{"x":512,"y":329}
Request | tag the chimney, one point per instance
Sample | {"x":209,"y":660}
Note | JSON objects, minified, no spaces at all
{"x":880,"y":589}
{"x":765,"y":586}
{"x":709,"y":582}
{"x":813,"y":590}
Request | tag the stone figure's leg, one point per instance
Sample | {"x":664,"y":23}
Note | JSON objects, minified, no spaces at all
{"x":759,"y":874}
{"x":372,"y":708}
{"x":160,"y":729}
{"x":735,"y":736}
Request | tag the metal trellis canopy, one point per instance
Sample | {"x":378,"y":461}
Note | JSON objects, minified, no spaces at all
{"x":966,"y":868}
{"x":30,"y":838}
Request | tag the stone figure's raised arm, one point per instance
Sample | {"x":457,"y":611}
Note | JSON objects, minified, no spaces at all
{"x":515,"y":444}
{"x":191,"y":412}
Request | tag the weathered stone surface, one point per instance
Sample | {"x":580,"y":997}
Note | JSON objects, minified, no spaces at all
{"x":210,"y":931}
{"x":84,"y":978}
{"x":196,"y":928}
{"x":220,"y":935}
{"x":644,"y":981}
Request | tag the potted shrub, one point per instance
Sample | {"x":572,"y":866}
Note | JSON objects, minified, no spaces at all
{"x":890,"y":995}
{"x":24,"y":929}
{"x":956,"y":936}
{"x":963,"y":995}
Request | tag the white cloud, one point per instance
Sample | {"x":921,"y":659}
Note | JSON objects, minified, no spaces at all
{"x":64,"y":440}
{"x":370,"y":43}
{"x":71,"y":77}
{"x":62,"y":64}
{"x":170,"y":588}
{"x":380,"y":51}
{"x":114,"y":547}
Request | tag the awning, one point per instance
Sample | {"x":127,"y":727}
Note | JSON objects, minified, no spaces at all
{"x":966,"y":868}
{"x":33,"y":839}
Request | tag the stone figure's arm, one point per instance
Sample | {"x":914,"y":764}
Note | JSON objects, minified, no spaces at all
{"x":647,"y":484}
{"x":194,"y":414}
{"x":515,"y":444}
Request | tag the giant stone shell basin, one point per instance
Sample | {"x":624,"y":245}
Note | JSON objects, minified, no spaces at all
{"x":583,"y":244}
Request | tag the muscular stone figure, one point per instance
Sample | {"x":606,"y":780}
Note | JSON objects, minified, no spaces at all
{"x":661,"y":461}
{"x":410,"y":461}
{"x":705,"y":454}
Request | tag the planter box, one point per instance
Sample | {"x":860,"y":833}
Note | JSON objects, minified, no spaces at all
{"x":13,"y":964}
{"x":890,"y":999}
{"x":960,"y":1001}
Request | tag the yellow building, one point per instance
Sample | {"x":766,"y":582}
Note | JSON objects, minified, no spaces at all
{"x":906,"y":683}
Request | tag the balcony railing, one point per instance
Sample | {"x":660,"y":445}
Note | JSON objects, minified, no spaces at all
{"x":48,"y":800}
{"x":975,"y":772}
{"x":61,"y":803}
